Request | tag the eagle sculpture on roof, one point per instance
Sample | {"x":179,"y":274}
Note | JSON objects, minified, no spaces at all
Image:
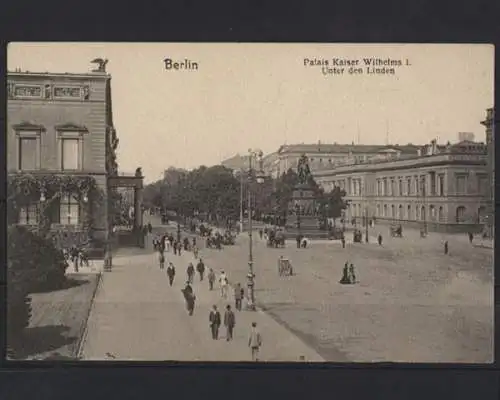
{"x":101,"y":64}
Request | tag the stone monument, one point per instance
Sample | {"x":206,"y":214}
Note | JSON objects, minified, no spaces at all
{"x":303,"y":210}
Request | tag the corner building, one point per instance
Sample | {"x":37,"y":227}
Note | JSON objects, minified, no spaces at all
{"x":61,"y":124}
{"x":444,"y":188}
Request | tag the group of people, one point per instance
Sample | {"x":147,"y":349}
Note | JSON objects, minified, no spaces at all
{"x":348,"y":274}
{"x":215,"y":319}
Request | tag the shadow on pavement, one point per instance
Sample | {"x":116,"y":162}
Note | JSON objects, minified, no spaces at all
{"x":68,"y":283}
{"x":324,"y":348}
{"x":39,"y":340}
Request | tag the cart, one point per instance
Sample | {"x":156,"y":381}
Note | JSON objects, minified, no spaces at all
{"x":396,"y":231}
{"x":285,"y":267}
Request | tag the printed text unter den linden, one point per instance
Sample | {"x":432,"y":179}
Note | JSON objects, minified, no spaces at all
{"x":357,"y":66}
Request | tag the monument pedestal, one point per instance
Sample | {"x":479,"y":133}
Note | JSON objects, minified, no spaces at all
{"x":302,"y":215}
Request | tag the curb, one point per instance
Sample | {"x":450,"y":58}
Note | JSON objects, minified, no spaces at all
{"x":84,"y":331}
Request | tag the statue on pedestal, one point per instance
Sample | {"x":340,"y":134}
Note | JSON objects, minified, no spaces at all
{"x":303,"y":170}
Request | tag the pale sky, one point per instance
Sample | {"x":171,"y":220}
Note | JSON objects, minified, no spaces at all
{"x":262,"y":96}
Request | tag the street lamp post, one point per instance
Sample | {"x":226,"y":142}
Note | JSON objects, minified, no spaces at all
{"x":298,"y":210}
{"x":241,"y":202}
{"x":251,"y":275}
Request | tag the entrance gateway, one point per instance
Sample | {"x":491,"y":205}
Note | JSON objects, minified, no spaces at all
{"x":126,"y":203}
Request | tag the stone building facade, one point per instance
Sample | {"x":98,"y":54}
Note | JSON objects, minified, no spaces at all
{"x":61,"y":124}
{"x":443,"y":188}
{"x":489,"y":124}
{"x":324,"y":157}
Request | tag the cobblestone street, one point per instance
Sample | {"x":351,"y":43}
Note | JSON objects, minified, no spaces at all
{"x":412,"y":302}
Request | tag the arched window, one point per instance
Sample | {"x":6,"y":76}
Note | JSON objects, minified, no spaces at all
{"x":378,"y":210}
{"x":422,"y":213}
{"x":441,"y":214}
{"x":460,"y":214}
{"x":409,"y":216}
{"x":385,"y":210}
{"x":417,"y":213}
{"x":401,"y":212}
{"x":393,"y":211}
{"x":432,"y":212}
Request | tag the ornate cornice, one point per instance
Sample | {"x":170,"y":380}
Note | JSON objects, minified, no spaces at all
{"x":71,"y":127}
{"x":28,"y":126}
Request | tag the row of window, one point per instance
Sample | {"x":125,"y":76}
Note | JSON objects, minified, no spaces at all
{"x":66,"y":212}
{"x":431,"y":184}
{"x":418,"y":213}
{"x":70,"y":150}
{"x":411,"y":185}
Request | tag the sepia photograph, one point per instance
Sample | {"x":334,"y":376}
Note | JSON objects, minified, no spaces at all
{"x":250,"y":202}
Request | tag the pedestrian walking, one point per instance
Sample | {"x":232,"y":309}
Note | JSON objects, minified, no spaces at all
{"x":150,"y":228}
{"x":175,"y":248}
{"x":171,"y":273}
{"x":254,"y":342}
{"x":214,"y":319}
{"x":345,"y":274}
{"x":200,"y":267}
{"x":190,"y":272}
{"x":261,"y":233}
{"x":471,"y":237}
{"x":237,"y":297}
{"x":446,"y":247}
{"x":343,"y":241}
{"x":352,"y":275}
{"x":223,"y":281}
{"x":195,"y":251}
{"x":229,"y":322}
{"x":189,"y":297}
{"x":179,"y":248}
{"x":161,"y":259}
{"x":211,"y":279}
{"x":379,"y":239}
{"x":194,"y":239}
{"x":299,"y":240}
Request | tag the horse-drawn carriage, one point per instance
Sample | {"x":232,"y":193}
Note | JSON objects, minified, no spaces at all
{"x":357,"y":236}
{"x":228,"y":239}
{"x":284,"y":267}
{"x":205,"y":231}
{"x":396,"y":230}
{"x":275,"y":239}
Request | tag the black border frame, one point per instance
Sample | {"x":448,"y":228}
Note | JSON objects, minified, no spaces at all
{"x":419,"y":21}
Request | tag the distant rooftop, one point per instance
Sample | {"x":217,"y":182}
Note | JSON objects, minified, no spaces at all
{"x":347,"y":148}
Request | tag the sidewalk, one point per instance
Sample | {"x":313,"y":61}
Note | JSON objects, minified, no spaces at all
{"x":137,"y":316}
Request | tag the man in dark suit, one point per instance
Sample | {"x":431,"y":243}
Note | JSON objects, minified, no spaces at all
{"x":214,"y":319}
{"x":229,"y":322}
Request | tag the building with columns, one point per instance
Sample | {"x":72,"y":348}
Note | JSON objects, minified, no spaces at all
{"x":442,"y":188}
{"x":489,"y":124}
{"x":324,"y":157}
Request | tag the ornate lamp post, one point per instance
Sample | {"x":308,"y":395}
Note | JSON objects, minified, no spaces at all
{"x":241,"y":201}
{"x":260,"y":179}
{"x":297,"y":212}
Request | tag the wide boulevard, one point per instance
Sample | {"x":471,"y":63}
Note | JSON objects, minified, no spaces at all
{"x":413,"y":303}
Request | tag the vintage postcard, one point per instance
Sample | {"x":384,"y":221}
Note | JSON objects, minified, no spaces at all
{"x":250,"y":202}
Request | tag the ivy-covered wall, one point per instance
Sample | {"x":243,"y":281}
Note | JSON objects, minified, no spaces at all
{"x":46,"y":190}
